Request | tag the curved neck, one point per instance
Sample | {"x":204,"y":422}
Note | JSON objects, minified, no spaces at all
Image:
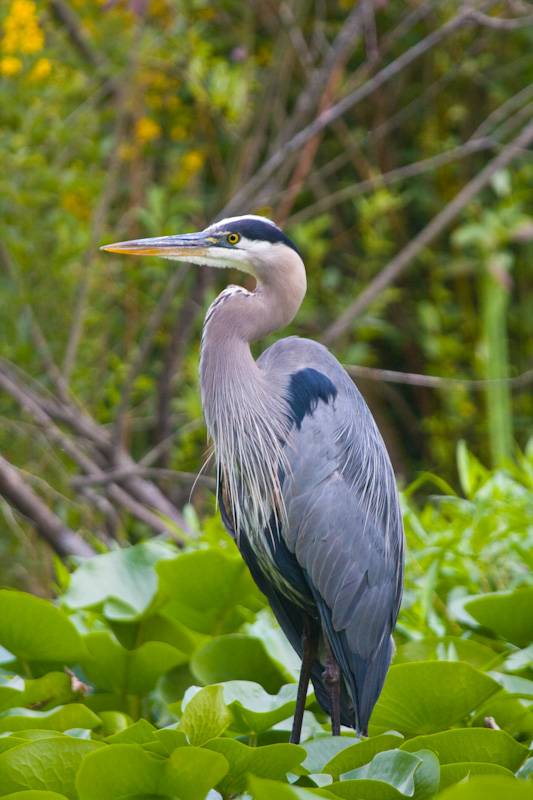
{"x":245,"y":412}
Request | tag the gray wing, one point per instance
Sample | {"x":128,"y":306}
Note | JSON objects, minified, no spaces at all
{"x":344,"y":523}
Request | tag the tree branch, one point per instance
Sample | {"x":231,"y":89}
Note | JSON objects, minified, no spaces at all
{"x":402,"y":260}
{"x":62,"y":538}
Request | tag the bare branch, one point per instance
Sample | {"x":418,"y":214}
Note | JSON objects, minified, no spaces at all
{"x":500,"y":23}
{"x":152,"y":328}
{"x":401,"y":261}
{"x":434,"y":381}
{"x":253,"y":186}
{"x":63,"y":539}
{"x":416,"y":168}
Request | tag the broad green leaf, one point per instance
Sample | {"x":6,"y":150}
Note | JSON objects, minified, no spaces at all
{"x":237,"y":657}
{"x":207,"y":590}
{"x":394,"y":767}
{"x":34,"y":794}
{"x":364,"y":789}
{"x":122,"y":583}
{"x":361,"y":753}
{"x":123,"y":769}
{"x":74,"y":715}
{"x":509,"y":614}
{"x":171,"y":738}
{"x":273,"y":761}
{"x":206,"y":716}
{"x":49,"y":764}
{"x":7,"y":742}
{"x":447,"y":648}
{"x":454,"y":773}
{"x":510,"y":715}
{"x":138,"y":733}
{"x":427,"y":776}
{"x":253,"y":709}
{"x":471,"y":744}
{"x":33,"y":629}
{"x":411,"y":704}
{"x":321,"y":751}
{"x":113,"y":668}
{"x":264,"y":789}
{"x":488,"y":787}
{"x":53,"y":688}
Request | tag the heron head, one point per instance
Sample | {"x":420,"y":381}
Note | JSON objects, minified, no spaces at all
{"x":250,"y":243}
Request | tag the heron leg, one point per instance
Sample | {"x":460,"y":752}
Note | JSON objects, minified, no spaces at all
{"x":309,"y":641}
{"x":332,"y":683}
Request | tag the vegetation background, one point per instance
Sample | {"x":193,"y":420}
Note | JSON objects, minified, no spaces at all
{"x":393,"y":143}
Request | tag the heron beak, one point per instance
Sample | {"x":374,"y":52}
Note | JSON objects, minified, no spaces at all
{"x":187,"y":244}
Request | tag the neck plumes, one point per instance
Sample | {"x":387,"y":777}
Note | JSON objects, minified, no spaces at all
{"x":246,"y":412}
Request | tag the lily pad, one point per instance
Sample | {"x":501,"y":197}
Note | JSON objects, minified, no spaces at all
{"x":46,"y":764}
{"x":33,"y":629}
{"x":122,"y":583}
{"x":73,"y":715}
{"x":430,"y":696}
{"x":508,"y":614}
{"x":253,"y":709}
{"x":361,"y":753}
{"x":237,"y":657}
{"x":116,"y":669}
{"x":273,"y":761}
{"x":472,"y":745}
{"x":206,"y":716}
{"x":123,"y":769}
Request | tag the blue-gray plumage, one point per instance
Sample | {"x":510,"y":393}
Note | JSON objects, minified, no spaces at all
{"x":306,"y":487}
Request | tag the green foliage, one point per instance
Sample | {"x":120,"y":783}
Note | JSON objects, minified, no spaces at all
{"x":163,"y":649}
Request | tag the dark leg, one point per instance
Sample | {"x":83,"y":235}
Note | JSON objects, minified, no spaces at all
{"x":332,"y":682}
{"x":309,"y":652}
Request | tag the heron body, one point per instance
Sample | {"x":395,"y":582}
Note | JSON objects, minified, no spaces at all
{"x":305,"y":484}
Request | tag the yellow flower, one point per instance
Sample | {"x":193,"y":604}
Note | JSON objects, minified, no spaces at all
{"x":147,"y":129}
{"x":21,"y":29}
{"x":41,"y":70}
{"x":9,"y":65}
{"x":192,"y":161}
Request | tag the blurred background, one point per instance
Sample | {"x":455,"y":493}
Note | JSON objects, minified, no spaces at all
{"x":391,"y":141}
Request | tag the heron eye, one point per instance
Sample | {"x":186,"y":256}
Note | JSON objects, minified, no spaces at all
{"x":233,"y":238}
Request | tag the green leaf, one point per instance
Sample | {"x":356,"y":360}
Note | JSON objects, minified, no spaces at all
{"x":138,"y":733}
{"x":454,"y":773}
{"x":427,"y":775}
{"x":273,"y":761}
{"x":34,"y":794}
{"x":489,"y":787}
{"x":237,"y":657}
{"x":54,"y":687}
{"x":253,"y":709}
{"x":446,"y":648}
{"x":207,"y":590}
{"x":394,"y":767}
{"x":364,"y":789}
{"x":115,"y":669}
{"x":410,"y":704}
{"x":74,"y":715}
{"x":321,"y":751}
{"x":471,"y":744}
{"x":508,"y":614}
{"x":205,"y":716}
{"x":122,"y":584}
{"x":124,"y":769}
{"x":360,"y":753}
{"x":34,"y":630}
{"x":45,"y":764}
{"x":171,"y":738}
{"x":264,"y":789}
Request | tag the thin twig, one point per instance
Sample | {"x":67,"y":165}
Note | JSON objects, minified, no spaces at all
{"x":63,"y":539}
{"x":402,"y":260}
{"x":434,"y":381}
{"x":253,"y":186}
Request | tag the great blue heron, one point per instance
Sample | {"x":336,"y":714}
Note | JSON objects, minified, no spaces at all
{"x":306,"y":487}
